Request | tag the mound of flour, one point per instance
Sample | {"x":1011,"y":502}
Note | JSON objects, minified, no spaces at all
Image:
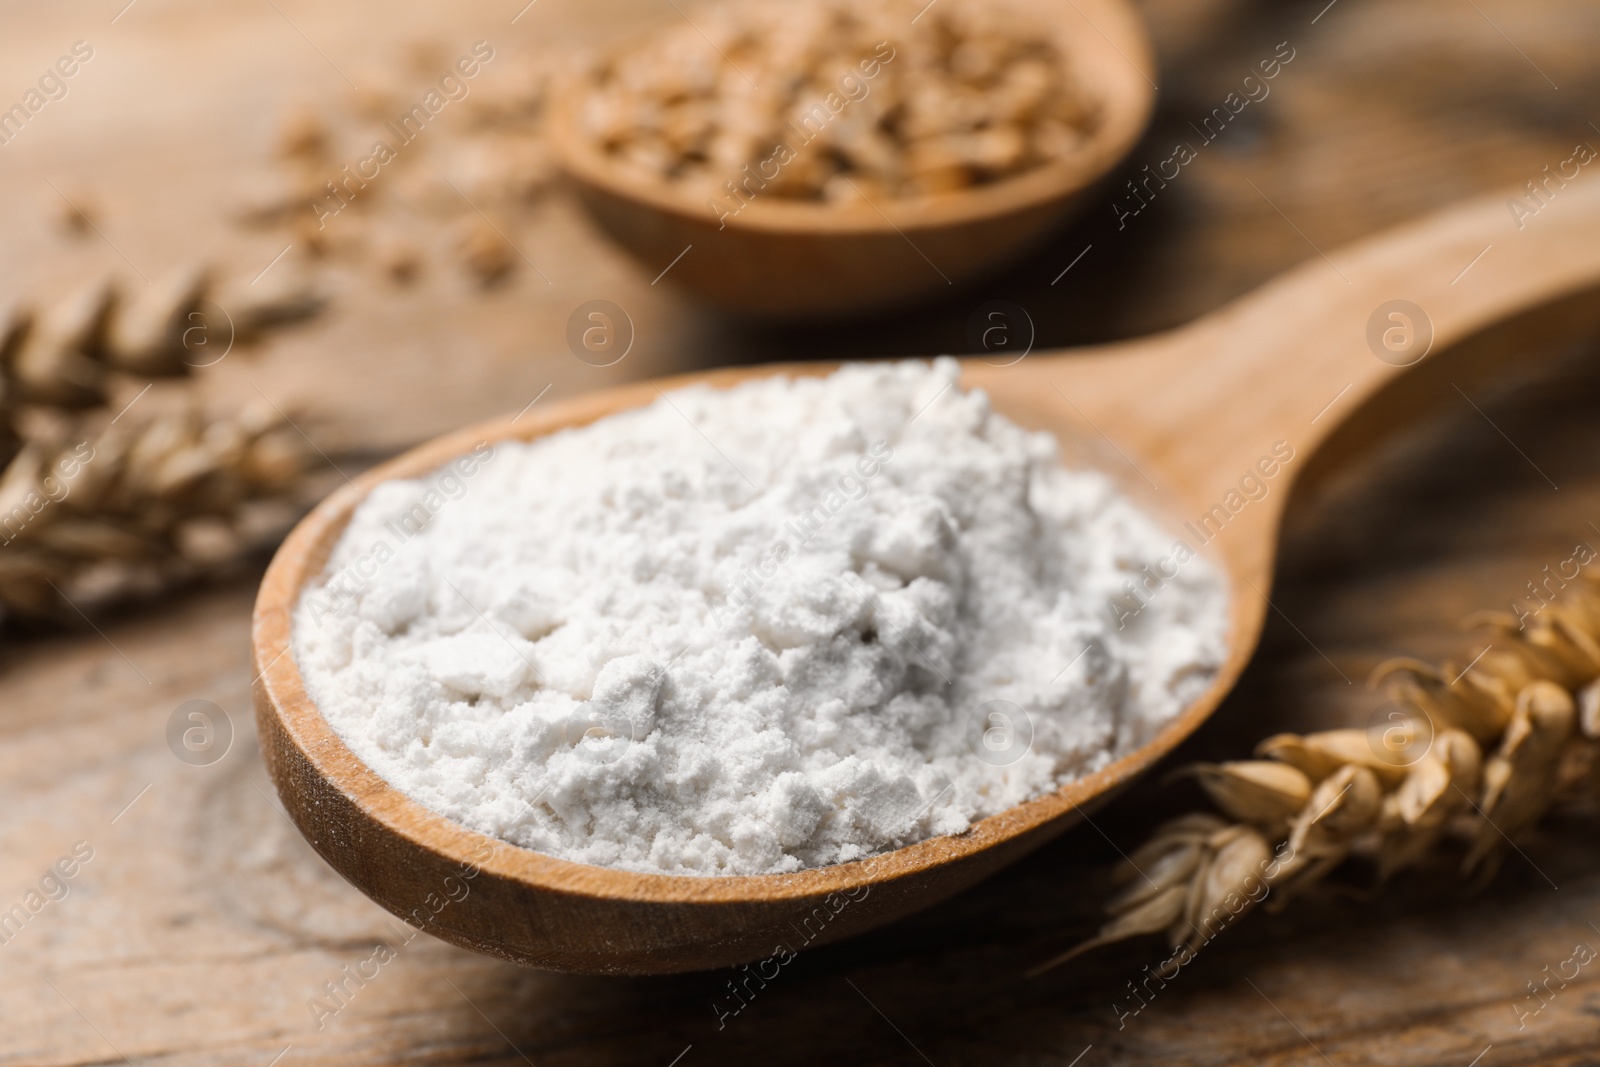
{"x":750,"y":631}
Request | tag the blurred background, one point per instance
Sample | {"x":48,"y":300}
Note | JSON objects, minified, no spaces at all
{"x":180,"y":148}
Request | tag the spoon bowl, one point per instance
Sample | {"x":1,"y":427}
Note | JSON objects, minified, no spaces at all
{"x":790,"y":258}
{"x":1208,"y":424}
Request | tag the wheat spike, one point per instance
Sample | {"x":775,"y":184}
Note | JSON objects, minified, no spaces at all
{"x":142,"y":506}
{"x":1505,"y":737}
{"x":94,"y":509}
{"x":1260,"y":792}
{"x":1519,"y":780}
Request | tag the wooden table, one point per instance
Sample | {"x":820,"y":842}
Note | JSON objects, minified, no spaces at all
{"x":203,"y":925}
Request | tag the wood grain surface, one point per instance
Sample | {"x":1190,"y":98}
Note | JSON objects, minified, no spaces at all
{"x":203,"y":926}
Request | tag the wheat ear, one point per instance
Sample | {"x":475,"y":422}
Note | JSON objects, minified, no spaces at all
{"x":96,"y":507}
{"x":1492,"y":746}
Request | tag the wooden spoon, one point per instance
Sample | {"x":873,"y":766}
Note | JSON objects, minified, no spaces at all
{"x":1194,"y":419}
{"x":795,"y":258}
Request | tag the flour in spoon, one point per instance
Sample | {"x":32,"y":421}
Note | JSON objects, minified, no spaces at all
{"x":789,"y":624}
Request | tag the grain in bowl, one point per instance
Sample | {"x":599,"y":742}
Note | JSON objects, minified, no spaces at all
{"x":829,"y":101}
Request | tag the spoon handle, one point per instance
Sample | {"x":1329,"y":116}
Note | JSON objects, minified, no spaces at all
{"x":1282,"y":367}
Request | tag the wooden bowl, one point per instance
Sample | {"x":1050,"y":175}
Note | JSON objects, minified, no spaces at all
{"x":1189,"y":412}
{"x":782,"y":258}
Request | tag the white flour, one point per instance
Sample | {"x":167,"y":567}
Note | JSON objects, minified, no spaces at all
{"x":743,"y":632}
